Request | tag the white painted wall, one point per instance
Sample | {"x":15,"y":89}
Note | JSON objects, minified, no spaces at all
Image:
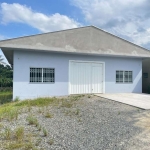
{"x":23,"y":60}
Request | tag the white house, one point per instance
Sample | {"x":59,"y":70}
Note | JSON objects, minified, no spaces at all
{"x":74,"y":61}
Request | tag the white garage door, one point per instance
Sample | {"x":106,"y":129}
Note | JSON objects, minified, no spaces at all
{"x":85,"y":77}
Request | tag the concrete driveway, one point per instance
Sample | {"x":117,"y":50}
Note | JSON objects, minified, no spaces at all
{"x":138,"y":100}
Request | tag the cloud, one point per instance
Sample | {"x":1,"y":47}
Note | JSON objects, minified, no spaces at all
{"x":23,"y":14}
{"x":126,"y":18}
{"x":2,"y":37}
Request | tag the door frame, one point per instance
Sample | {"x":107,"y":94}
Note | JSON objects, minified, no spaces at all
{"x":82,"y":61}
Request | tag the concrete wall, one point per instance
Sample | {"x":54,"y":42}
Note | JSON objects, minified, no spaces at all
{"x":146,"y":81}
{"x":23,"y":60}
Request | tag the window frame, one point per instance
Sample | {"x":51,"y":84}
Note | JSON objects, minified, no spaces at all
{"x":129,"y":82}
{"x":42,"y":76}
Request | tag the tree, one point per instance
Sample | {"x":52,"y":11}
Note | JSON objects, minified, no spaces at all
{"x":2,"y":60}
{"x":6,"y":74}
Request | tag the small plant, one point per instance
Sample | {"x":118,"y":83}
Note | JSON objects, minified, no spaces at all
{"x":51,"y":142}
{"x":77,"y":112}
{"x":39,"y":127}
{"x":13,"y":114}
{"x":38,"y":141}
{"x":45,"y":132}
{"x":7,"y":133}
{"x":89,"y":96}
{"x":67,"y":104}
{"x":14,"y":145}
{"x":119,"y":113}
{"x":32,"y":120}
{"x":16,"y":99}
{"x":19,"y":133}
{"x":48,"y":115}
{"x":39,"y":110}
{"x":1,"y":125}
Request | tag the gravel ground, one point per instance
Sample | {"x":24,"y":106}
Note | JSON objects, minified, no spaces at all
{"x":92,"y":124}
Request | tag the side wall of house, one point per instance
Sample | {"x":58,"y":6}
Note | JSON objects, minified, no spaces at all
{"x":23,"y":60}
{"x":146,"y":77}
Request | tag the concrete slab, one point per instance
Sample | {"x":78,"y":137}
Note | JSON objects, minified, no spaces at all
{"x":138,"y":100}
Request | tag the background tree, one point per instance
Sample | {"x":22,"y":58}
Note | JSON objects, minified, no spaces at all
{"x":6,"y":74}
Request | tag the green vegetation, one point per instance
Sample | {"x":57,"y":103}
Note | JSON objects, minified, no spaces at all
{"x":6,"y":76}
{"x":5,"y":97}
{"x":19,"y":133}
{"x":32,"y":120}
{"x":18,"y":137}
{"x":45,"y":132}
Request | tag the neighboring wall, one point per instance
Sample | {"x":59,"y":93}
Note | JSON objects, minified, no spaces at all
{"x":23,"y":60}
{"x":146,"y":77}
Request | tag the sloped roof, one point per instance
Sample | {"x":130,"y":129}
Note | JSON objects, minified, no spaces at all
{"x":85,"y":40}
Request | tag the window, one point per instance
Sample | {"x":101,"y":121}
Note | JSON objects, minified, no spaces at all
{"x":123,"y":76}
{"x":42,"y":75}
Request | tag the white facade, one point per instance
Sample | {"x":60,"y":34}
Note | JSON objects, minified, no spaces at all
{"x":24,"y":60}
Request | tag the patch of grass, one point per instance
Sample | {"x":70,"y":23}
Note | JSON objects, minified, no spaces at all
{"x":77,"y":112}
{"x":67,"y":104}
{"x":45,"y":132}
{"x":1,"y":125}
{"x":9,"y":112}
{"x":38,"y":141}
{"x":32,"y":120}
{"x":16,"y":99}
{"x":48,"y":115}
{"x":89,"y":96}
{"x":38,"y":102}
{"x":14,"y":145}
{"x":19,"y":133}
{"x":7,"y":133}
{"x":72,"y":112}
{"x":51,"y":142}
{"x":39,"y":127}
{"x":5,"y":97}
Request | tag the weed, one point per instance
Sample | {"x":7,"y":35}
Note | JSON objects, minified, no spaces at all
{"x":38,"y":141}
{"x":45,"y":132}
{"x":51,"y":142}
{"x":79,"y":120}
{"x":13,"y":114}
{"x":29,"y":146}
{"x":14,"y":145}
{"x":16,"y":99}
{"x":77,"y":112}
{"x":7,"y":133}
{"x":89,"y":96}
{"x":66,"y":104}
{"x":48,"y":115}
{"x":19,"y":133}
{"x":1,"y":125}
{"x":39,"y":127}
{"x":119,"y":113}
{"x":39,"y":110}
{"x":32,"y":120}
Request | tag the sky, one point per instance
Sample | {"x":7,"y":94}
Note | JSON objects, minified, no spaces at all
{"x":127,"y":19}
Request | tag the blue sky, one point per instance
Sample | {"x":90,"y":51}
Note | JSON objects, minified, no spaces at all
{"x":128,"y":19}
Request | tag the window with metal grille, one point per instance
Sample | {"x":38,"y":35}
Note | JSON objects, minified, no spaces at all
{"x":48,"y":75}
{"x":42,"y":75}
{"x":123,"y":76}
